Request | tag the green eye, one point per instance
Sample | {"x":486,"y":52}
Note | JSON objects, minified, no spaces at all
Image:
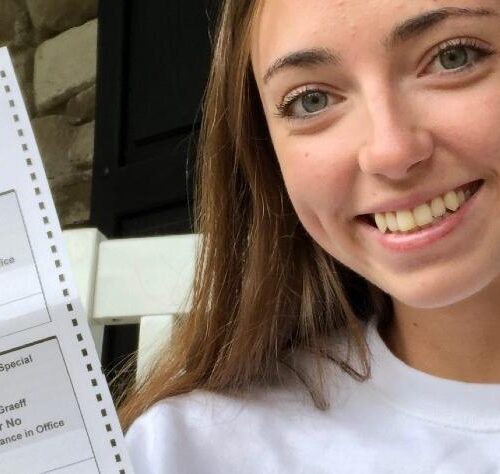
{"x":314,"y":102}
{"x":460,"y":55}
{"x":454,"y":58}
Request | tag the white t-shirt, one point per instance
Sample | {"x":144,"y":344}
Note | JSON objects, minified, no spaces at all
{"x":400,"y":421}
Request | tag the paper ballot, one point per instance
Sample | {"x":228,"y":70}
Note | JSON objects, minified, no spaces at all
{"x":56,"y":413}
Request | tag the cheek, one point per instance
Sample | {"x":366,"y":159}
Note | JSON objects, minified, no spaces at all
{"x":318,"y":177}
{"x":483,"y":141}
{"x":470,"y":128}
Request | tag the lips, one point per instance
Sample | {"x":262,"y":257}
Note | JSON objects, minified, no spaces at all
{"x":400,"y":244}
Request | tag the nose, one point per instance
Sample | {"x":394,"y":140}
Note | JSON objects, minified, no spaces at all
{"x":395,"y":144}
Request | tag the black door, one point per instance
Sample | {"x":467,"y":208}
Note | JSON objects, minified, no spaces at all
{"x":153,"y":59}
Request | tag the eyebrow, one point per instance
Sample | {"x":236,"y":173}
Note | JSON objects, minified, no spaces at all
{"x":414,"y":27}
{"x":402,"y":33}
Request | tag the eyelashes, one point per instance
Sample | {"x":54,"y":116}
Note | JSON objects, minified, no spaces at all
{"x":310,"y":101}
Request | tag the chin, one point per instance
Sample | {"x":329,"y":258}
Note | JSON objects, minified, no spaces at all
{"x":429,"y":294}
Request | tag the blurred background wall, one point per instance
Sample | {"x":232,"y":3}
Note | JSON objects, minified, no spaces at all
{"x":53,"y":45}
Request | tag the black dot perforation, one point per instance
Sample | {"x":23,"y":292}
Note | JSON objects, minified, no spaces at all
{"x":73,"y":318}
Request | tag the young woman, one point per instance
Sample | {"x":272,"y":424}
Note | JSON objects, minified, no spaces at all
{"x":345,"y":315}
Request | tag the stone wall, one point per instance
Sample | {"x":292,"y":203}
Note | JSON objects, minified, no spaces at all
{"x":53,"y":46}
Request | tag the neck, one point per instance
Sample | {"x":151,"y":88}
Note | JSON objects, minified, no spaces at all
{"x":458,"y":342}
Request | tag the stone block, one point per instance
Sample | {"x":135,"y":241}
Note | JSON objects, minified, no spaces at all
{"x":81,"y":108}
{"x":54,"y":137}
{"x":16,"y":30}
{"x":29,"y":98}
{"x":23,"y":36}
{"x":67,"y":156}
{"x":81,"y":152}
{"x":72,"y":200}
{"x":65,"y":65}
{"x":23,"y":65}
{"x":59,"y":15}
{"x":8,"y":14}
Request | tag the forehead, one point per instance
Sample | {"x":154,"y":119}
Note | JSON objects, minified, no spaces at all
{"x":287,"y":25}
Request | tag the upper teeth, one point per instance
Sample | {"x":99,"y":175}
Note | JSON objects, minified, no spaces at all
{"x":422,"y":215}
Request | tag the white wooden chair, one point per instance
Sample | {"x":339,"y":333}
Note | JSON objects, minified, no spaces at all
{"x":125,"y":281}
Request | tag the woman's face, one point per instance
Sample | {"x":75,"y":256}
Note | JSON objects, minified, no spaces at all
{"x":383,"y":106}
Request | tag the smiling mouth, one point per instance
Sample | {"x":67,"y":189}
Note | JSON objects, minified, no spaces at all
{"x":425,"y":215}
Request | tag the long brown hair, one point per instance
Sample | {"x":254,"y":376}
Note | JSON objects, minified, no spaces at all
{"x":263,"y":288}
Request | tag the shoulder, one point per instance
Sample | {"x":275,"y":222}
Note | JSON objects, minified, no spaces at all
{"x":187,"y":433}
{"x":209,"y":433}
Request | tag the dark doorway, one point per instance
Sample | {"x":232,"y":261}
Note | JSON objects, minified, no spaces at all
{"x":153,"y":60}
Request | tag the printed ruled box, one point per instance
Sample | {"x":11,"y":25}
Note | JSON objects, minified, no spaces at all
{"x":22,"y":303}
{"x":39,"y":415}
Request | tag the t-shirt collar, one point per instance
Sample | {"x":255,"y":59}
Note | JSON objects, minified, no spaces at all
{"x":463,"y":405}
